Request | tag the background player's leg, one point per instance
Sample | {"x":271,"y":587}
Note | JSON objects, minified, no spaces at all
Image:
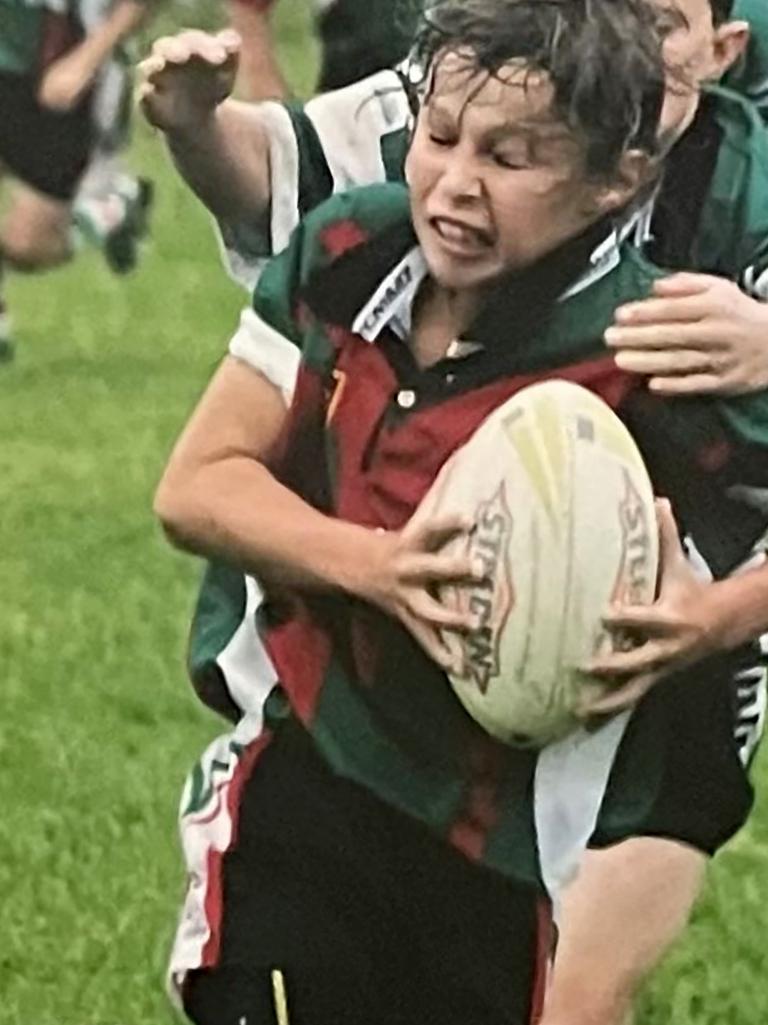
{"x":111,"y":210}
{"x":619,"y":917}
{"x":36,"y":231}
{"x":112,"y":205}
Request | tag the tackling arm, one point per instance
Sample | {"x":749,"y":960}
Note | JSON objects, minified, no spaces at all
{"x":219,"y":145}
{"x":225,"y":161}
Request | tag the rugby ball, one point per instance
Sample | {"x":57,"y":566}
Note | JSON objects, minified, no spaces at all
{"x":564,"y":524}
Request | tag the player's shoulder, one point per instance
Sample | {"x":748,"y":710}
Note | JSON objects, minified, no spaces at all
{"x":382,"y":96}
{"x":742,"y":129}
{"x":742,"y":162}
{"x":349,"y":222}
{"x":751,"y":73}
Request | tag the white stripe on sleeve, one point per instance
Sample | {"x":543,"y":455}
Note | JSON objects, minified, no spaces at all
{"x":275,"y":357}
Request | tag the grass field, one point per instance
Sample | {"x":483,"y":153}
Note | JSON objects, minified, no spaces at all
{"x":98,"y":725}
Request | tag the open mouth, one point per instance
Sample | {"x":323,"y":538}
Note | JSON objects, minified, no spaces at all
{"x":461,"y":238}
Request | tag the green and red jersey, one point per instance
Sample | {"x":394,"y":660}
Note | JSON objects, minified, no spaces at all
{"x":367,"y":432}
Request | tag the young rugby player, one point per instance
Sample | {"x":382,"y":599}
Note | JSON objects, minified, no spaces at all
{"x":57,"y":79}
{"x":359,"y":135}
{"x":507,"y":223}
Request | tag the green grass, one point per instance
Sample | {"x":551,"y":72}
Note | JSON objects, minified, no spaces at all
{"x":98,"y":725}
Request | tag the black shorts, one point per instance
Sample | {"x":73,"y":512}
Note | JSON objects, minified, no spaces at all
{"x":44,"y":149}
{"x":371,"y":919}
{"x":692,"y":736}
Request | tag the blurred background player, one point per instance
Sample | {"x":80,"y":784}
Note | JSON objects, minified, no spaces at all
{"x":356,"y":39}
{"x":260,"y":77}
{"x":64,"y":102}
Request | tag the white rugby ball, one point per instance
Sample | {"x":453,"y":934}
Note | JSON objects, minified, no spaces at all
{"x":564,"y":524}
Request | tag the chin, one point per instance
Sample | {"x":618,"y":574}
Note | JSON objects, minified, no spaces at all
{"x":458,"y":275}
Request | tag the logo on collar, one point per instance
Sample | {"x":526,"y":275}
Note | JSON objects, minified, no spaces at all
{"x":392,"y":297}
{"x":377,"y":317}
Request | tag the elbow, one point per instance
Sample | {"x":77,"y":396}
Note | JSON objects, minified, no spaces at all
{"x":174,"y":508}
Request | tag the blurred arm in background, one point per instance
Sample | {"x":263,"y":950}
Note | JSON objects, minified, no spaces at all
{"x":259,"y":76}
{"x":68,"y":78}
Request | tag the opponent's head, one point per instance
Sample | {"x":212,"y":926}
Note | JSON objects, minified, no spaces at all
{"x":703,"y":41}
{"x":538,"y":117}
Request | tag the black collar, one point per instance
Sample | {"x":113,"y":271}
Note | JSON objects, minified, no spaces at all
{"x":519,"y":304}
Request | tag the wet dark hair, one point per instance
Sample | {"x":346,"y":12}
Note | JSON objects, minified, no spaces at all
{"x":603,"y":59}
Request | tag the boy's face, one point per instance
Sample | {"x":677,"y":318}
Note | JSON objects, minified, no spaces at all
{"x":695,"y":52}
{"x":495,"y":181}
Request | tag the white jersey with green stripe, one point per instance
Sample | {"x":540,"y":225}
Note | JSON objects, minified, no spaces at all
{"x":348,"y":137}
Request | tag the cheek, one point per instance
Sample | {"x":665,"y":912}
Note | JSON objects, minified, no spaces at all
{"x":417,"y":170}
{"x":531,"y":199}
{"x":544,"y":216}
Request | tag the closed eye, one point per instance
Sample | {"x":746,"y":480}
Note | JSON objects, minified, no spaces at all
{"x":440,"y":140}
{"x":510,"y":162}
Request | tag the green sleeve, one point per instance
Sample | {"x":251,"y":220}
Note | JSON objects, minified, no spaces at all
{"x":275,"y":297}
{"x":329,"y":232}
{"x":732,"y":237}
{"x":750,"y":75}
{"x":747,"y":416}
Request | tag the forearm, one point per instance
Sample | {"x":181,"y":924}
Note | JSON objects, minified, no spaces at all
{"x":123,"y":20}
{"x":744,"y":600}
{"x":225,"y":161}
{"x":236,"y":511}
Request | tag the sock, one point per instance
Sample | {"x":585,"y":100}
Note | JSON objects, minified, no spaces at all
{"x":104,"y":201}
{"x":94,"y":219}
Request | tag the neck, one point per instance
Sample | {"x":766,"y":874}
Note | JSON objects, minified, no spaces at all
{"x":440,"y":316}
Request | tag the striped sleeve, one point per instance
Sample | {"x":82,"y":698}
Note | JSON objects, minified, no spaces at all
{"x":269,"y":338}
{"x":259,"y":345}
{"x":341,"y":139}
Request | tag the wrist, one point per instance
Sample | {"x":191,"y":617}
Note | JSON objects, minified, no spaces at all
{"x":193,"y":129}
{"x":739,"y":609}
{"x":350,"y":563}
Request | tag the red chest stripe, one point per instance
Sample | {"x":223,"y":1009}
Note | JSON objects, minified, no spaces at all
{"x":383,"y":465}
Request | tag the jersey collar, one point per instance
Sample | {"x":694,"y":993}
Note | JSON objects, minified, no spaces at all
{"x":390,"y":305}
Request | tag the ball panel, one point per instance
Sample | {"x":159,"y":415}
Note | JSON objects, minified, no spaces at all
{"x":564,"y":524}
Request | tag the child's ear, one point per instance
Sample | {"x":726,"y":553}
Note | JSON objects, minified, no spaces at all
{"x":730,"y":42}
{"x":637,"y":169}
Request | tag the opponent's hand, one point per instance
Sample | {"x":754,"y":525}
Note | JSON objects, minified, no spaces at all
{"x":65,"y":82}
{"x":698,"y":334}
{"x":405,"y":571}
{"x":685,"y":624}
{"x":186,"y":77}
